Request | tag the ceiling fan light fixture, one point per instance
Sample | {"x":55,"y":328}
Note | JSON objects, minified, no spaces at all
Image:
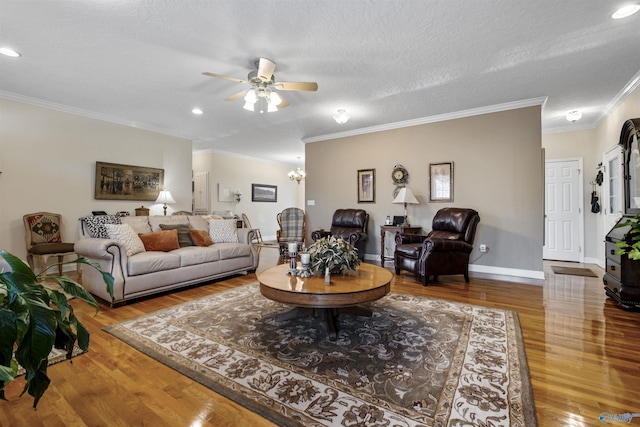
{"x":626,"y":11}
{"x":248,"y":106}
{"x":573,"y":116}
{"x":251,"y":97}
{"x":341,"y":117}
{"x":275,"y":99}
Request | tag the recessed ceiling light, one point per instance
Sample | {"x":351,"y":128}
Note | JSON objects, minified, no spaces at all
{"x":197,"y":111}
{"x":625,"y":11}
{"x":7,"y":51}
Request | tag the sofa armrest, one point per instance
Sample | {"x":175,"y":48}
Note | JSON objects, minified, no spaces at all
{"x":111,"y":256}
{"x":404,"y":238}
{"x":445,"y":245}
{"x":94,"y":248}
{"x":246,"y":235}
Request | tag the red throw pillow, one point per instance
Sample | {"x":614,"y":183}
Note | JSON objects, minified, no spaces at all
{"x":160,"y":240}
{"x":201,"y":237}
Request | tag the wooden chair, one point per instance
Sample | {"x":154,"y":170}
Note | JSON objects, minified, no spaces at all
{"x":292,"y":229}
{"x":247,"y":224}
{"x":43,"y":236}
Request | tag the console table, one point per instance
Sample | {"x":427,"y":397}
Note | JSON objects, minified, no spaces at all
{"x":384,"y":229}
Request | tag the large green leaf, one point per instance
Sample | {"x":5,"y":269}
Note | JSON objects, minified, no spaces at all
{"x":73,"y":288}
{"x":39,"y":337}
{"x":8,"y":335}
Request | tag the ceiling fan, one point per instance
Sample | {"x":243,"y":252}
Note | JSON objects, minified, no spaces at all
{"x":262,"y":95}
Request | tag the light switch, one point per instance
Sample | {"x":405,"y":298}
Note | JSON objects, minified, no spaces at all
{"x":311,"y":202}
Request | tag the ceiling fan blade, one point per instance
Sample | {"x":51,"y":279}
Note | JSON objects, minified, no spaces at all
{"x":283,"y":104}
{"x":265,"y":69}
{"x":310,"y":86}
{"x":237,"y":95}
{"x":219,"y":76}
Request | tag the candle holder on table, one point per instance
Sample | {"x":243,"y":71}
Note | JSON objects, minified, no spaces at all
{"x":293,"y":254}
{"x":305,"y":260}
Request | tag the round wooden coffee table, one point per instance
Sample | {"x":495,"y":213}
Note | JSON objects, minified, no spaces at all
{"x":308,"y":294}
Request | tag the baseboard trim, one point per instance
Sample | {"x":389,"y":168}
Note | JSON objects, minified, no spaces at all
{"x":503,"y":274}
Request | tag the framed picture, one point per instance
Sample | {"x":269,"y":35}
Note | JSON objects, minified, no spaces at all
{"x":264,"y":193}
{"x":126,"y":182}
{"x":225,"y":193}
{"x":366,"y":186}
{"x":441,"y":182}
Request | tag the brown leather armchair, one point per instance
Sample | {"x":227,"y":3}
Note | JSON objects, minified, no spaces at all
{"x":445,"y":250}
{"x":349,"y":224}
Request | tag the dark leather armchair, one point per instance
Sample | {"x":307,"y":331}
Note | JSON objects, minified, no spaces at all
{"x":349,"y":224}
{"x":445,"y":250}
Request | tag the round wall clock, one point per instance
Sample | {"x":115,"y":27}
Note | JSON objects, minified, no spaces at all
{"x":399,"y":175}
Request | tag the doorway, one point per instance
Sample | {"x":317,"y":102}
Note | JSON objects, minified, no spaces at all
{"x":564,"y":216}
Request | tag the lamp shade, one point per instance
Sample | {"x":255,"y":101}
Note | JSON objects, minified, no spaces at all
{"x":165,"y":197}
{"x":405,"y":195}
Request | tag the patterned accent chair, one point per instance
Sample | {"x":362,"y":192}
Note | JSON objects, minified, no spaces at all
{"x":43,"y":232}
{"x":349,"y":224}
{"x":445,"y":250}
{"x":292,"y":225}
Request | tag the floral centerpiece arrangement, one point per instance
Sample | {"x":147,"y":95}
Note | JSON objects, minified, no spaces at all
{"x":334,"y":253}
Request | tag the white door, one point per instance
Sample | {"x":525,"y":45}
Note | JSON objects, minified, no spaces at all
{"x":563,"y":210}
{"x":613,"y":196}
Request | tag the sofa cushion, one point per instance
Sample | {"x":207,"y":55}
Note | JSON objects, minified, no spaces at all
{"x":156,"y":220}
{"x":184,"y":238}
{"x":95,"y":224}
{"x":125,"y":234}
{"x":140,"y":224}
{"x":195,"y":255}
{"x":199,"y":222}
{"x":200,"y":237}
{"x":233,"y":250}
{"x":223,"y":230}
{"x":152,"y":262}
{"x":163,"y":241}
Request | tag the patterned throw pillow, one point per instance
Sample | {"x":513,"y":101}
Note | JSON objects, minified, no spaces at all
{"x":96,"y":224}
{"x":223,"y":230}
{"x":125,"y":234}
{"x":44,"y":229}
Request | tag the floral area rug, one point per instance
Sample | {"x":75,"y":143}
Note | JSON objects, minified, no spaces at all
{"x":416,"y":362}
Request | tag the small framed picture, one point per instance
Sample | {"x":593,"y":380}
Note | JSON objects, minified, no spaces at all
{"x":264,"y":193}
{"x":366,"y":186}
{"x":441,"y":182}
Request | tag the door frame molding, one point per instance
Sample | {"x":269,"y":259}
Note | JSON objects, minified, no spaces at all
{"x":580,"y":201}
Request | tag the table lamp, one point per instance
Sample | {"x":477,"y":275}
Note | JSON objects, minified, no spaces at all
{"x":405,"y":196}
{"x":165,"y":198}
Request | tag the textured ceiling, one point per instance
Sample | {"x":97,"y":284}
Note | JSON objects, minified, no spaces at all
{"x":139,"y":62}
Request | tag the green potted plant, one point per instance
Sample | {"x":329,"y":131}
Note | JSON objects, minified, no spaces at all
{"x":334,"y":253}
{"x":34,"y":319}
{"x":630,"y":244}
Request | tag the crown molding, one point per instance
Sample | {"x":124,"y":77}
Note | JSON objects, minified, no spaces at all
{"x":617,"y":100}
{"x":431,"y":119}
{"x":84,"y":113}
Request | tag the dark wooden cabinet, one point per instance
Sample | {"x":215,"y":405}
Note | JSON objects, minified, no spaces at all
{"x":622,"y":276}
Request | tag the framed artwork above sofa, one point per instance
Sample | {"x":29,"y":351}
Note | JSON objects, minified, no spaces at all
{"x":126,"y":182}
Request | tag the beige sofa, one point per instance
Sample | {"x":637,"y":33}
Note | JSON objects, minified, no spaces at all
{"x":150,"y":272}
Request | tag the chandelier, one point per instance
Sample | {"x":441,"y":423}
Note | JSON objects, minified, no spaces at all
{"x":298,"y":174}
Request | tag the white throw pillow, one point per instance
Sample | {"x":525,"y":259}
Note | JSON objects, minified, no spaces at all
{"x":223,"y":230}
{"x":125,"y":234}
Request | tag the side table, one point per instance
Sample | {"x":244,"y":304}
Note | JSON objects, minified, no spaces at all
{"x":384,"y":229}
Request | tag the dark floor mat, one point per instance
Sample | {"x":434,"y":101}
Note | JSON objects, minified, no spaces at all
{"x":573,"y":271}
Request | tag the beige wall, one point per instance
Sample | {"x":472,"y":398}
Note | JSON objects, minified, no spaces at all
{"x":497,"y":171}
{"x":47,"y":159}
{"x":240,"y":173}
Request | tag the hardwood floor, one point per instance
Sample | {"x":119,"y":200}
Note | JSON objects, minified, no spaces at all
{"x":582,"y":351}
